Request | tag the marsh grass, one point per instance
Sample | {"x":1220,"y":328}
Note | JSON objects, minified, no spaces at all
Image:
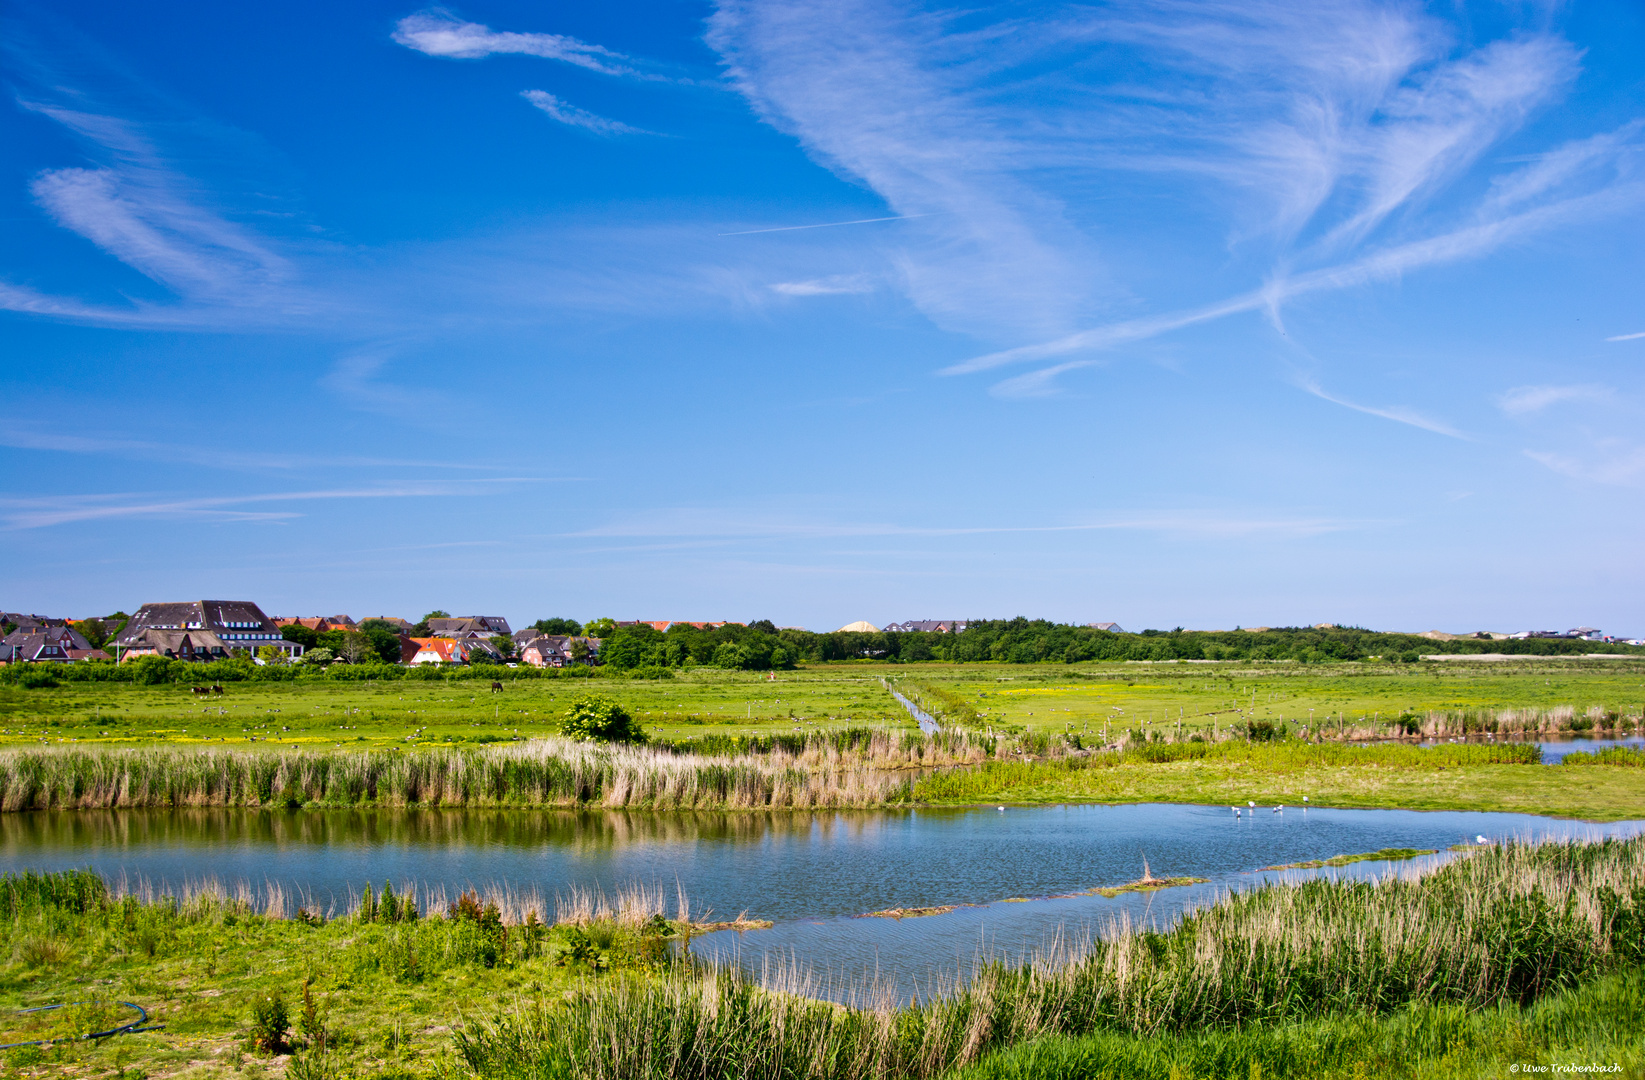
{"x":1499,"y":928}
{"x":544,"y":772}
{"x":1599,"y":1022}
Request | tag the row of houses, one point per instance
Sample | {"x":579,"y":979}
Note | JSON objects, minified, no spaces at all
{"x":206,"y":630}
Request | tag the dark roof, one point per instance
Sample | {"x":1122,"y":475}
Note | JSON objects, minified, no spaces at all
{"x":196,"y":614}
{"x":56,"y":635}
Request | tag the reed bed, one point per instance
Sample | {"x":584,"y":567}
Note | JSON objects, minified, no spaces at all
{"x":1500,"y":926}
{"x":546,"y":772}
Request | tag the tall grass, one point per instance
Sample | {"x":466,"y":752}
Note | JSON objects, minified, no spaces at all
{"x":816,"y":771}
{"x":1503,"y":925}
{"x":1597,"y":1023}
{"x":548,"y":772}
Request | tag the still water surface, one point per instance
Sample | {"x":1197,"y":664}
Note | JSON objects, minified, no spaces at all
{"x":811,"y":873}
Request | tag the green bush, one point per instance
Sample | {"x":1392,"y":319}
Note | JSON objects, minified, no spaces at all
{"x":592,"y":718}
{"x":269,"y":1023}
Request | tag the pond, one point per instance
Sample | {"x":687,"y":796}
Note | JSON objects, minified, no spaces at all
{"x":810,"y":873}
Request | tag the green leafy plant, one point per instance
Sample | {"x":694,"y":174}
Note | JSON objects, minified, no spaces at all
{"x":270,"y":1022}
{"x":592,"y":718}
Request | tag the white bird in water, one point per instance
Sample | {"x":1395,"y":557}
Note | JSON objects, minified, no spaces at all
{"x":1305,"y":798}
{"x":1279,"y":809}
{"x":1002,"y":809}
{"x":1248,"y":802}
{"x":1481,"y":840}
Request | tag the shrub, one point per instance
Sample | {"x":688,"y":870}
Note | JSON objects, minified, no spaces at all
{"x":269,"y":1023}
{"x":592,"y":718}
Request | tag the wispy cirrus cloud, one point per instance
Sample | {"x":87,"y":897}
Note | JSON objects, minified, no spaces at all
{"x":438,"y":33}
{"x":1627,"y":337}
{"x":1400,"y":414}
{"x":1332,"y":139}
{"x":1525,"y":400}
{"x":46,"y":511}
{"x":572,"y":116}
{"x":833,"y":285}
{"x":697,"y":523}
{"x":134,"y":204}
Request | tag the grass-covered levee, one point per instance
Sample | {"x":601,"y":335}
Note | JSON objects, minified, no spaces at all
{"x":1521,"y":954}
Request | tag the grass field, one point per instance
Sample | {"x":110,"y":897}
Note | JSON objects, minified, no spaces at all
{"x":1036,"y":698}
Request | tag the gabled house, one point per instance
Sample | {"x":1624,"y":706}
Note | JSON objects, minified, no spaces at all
{"x":555,"y":650}
{"x":320,"y":624}
{"x":1115,"y":628}
{"x":59,"y":644}
{"x":929,"y":626}
{"x":476,"y":626}
{"x":439,"y":650}
{"x":200,"y":630}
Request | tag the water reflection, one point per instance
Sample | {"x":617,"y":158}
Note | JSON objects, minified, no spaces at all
{"x":812,"y":873}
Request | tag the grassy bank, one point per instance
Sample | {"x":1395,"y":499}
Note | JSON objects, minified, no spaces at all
{"x":367,"y":990}
{"x":825,"y":770}
{"x":1459,"y":776}
{"x":1502,"y":927}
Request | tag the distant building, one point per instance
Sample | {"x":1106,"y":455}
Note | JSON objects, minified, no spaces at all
{"x":928,"y":626}
{"x":30,"y":623}
{"x":320,"y":624}
{"x":59,"y":644}
{"x":861,"y":626}
{"x":471,"y":626}
{"x":1111,"y":627}
{"x":200,"y":630}
{"x":435,"y":650}
{"x":400,"y":625}
{"x":662,"y":625}
{"x":557,"y":650}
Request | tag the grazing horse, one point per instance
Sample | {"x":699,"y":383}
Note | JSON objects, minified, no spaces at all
{"x":201,"y":690}
{"x":217,"y":688}
{"x":496,"y":687}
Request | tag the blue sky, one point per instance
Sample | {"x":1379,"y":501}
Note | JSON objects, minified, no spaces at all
{"x":1183,"y":313}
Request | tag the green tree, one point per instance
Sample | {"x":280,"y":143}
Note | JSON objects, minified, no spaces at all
{"x":600,"y":628}
{"x":592,"y":718}
{"x":300,"y":635}
{"x":384,"y":638}
{"x":95,"y":631}
{"x":503,"y":644}
{"x":558,"y":627}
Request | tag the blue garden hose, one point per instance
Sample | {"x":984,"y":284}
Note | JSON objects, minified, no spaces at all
{"x":124,"y":1029}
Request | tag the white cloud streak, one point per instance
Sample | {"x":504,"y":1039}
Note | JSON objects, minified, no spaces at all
{"x":1627,"y":337}
{"x":835,"y":285}
{"x":1525,"y":400}
{"x":44,"y":512}
{"x":572,"y":116}
{"x":1400,"y":414}
{"x":436,"y":33}
{"x":707,"y":524}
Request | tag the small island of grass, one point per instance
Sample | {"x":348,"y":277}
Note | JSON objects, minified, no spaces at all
{"x":1393,"y":854}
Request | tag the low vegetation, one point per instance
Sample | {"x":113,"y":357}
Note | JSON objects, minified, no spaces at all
{"x":1498,"y":929}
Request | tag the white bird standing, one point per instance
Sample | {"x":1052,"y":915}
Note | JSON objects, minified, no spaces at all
{"x":1481,"y":840}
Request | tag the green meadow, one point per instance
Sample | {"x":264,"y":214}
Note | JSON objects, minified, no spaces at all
{"x":1010,"y":698}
